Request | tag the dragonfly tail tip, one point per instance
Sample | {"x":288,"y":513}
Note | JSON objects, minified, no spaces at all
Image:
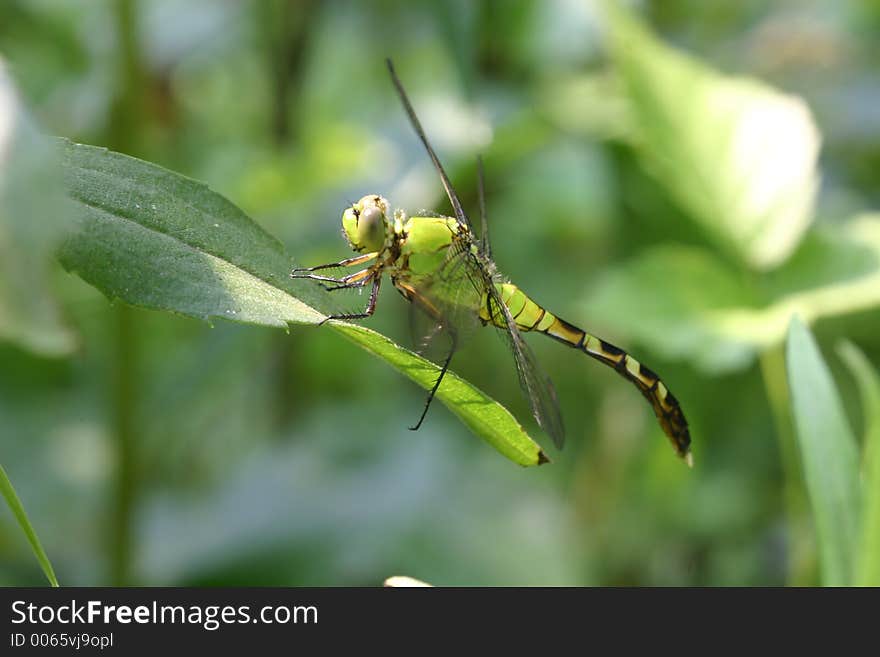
{"x":689,"y":459}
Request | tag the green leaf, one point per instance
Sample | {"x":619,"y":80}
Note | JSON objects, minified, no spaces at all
{"x":18,"y":511}
{"x":868,"y":380}
{"x":737,"y":154}
{"x":724,"y":320}
{"x":483,"y":415}
{"x":156,"y":239}
{"x":32,"y":223}
{"x":829,"y":455}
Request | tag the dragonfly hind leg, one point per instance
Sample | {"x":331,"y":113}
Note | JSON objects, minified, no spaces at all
{"x":443,"y":370}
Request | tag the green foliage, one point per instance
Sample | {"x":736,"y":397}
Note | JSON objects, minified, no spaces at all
{"x":663,"y":198}
{"x":829,"y":455}
{"x":728,"y":319}
{"x":31,"y":224}
{"x":740,"y":159}
{"x":734,"y":152}
{"x":868,"y":379}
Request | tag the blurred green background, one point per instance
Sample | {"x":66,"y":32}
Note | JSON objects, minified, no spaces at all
{"x":165,"y":451}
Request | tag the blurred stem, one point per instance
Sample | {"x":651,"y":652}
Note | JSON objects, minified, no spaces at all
{"x":126,"y":119}
{"x":287,"y":26}
{"x":802,"y":563}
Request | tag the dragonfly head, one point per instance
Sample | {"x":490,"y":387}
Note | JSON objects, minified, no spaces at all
{"x":366,"y":223}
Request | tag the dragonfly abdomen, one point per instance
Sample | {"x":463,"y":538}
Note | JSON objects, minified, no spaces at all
{"x":529,"y":316}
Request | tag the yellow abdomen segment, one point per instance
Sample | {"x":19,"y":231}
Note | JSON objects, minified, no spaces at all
{"x":528,"y":315}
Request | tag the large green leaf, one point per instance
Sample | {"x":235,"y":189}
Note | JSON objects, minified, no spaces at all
{"x":32,"y":222}
{"x":829,"y":455}
{"x":685,"y":302}
{"x":156,"y":239}
{"x":737,"y":154}
{"x":15,"y":505}
{"x":868,"y":379}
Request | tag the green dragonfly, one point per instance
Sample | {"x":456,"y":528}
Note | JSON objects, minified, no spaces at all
{"x":440,"y":265}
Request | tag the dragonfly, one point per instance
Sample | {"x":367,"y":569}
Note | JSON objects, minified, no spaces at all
{"x":445,"y":270}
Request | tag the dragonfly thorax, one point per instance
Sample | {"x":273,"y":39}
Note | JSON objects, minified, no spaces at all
{"x":367,"y":224}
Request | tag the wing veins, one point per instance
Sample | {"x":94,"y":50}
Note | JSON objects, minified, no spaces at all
{"x":417,"y":126}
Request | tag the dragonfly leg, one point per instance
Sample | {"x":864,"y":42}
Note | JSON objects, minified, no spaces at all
{"x":346,"y":286}
{"x":301,"y":272}
{"x":358,"y":279}
{"x":371,"y":304}
{"x":433,"y":392}
{"x":318,"y":277}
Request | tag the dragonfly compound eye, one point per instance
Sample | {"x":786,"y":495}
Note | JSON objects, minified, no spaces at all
{"x":371,"y":228}
{"x":364,"y":224}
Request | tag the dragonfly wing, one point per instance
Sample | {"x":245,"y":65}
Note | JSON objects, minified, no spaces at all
{"x":537,"y":386}
{"x":424,"y":330}
{"x":485,"y":245}
{"x":417,"y":126}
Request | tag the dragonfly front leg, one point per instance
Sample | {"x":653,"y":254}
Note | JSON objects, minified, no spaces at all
{"x":302,"y":272}
{"x":306,"y":272}
{"x":376,"y":277}
{"x":358,"y":279}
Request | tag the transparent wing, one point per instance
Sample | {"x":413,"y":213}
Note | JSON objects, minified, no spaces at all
{"x":456,"y":292}
{"x":423,"y":331}
{"x":537,"y":386}
{"x":485,"y":246}
{"x":417,"y":126}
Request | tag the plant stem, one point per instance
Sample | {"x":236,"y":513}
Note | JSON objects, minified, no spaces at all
{"x":287,"y":26}
{"x":125,"y":122}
